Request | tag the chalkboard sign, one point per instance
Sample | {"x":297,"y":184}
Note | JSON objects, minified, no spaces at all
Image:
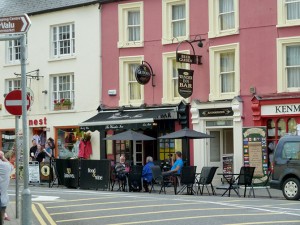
{"x":34,"y":172}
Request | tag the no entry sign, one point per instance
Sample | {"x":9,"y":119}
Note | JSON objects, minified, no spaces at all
{"x":13,"y":102}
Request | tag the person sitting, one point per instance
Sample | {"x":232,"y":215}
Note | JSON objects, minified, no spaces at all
{"x":176,"y":166}
{"x":147,"y":173}
{"x":121,"y":170}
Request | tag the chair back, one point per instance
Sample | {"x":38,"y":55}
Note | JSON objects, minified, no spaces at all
{"x":188,"y":174}
{"x":207,"y":174}
{"x":156,"y":173}
{"x":246,"y":175}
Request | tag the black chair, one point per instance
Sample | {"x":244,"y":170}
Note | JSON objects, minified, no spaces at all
{"x":205,"y":178}
{"x":117,"y":179}
{"x":187,"y":179}
{"x":135,"y":181}
{"x":245,"y":178}
{"x":159,"y":179}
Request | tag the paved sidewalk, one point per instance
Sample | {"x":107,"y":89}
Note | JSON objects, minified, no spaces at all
{"x":11,"y":211}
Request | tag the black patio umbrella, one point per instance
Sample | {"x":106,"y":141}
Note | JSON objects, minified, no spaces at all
{"x":130,"y":135}
{"x":186,"y":133}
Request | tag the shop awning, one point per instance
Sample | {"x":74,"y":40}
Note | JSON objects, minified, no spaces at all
{"x":127,"y":119}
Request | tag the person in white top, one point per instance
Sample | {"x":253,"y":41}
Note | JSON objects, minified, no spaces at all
{"x":5,"y":171}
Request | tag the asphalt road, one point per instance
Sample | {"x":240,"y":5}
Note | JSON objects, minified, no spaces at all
{"x":64,"y":206}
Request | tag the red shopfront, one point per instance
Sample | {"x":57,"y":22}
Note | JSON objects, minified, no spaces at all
{"x":279,"y":113}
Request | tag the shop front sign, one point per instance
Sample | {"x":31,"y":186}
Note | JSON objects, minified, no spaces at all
{"x":280,"y":109}
{"x":216,"y":112}
{"x":185,"y":82}
{"x":38,"y":122}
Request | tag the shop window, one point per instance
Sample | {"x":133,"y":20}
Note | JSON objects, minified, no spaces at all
{"x":292,"y":126}
{"x":122,"y":147}
{"x":281,"y":126}
{"x":271,"y":128}
{"x":8,"y":139}
{"x":68,"y":140}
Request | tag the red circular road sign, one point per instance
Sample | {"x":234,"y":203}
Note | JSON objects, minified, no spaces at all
{"x":13,"y":102}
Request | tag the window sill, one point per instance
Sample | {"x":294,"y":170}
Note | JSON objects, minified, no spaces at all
{"x":61,"y":111}
{"x":14,"y":64}
{"x":133,"y":44}
{"x":287,"y":25}
{"x":222,"y":34}
{"x":61,"y":58}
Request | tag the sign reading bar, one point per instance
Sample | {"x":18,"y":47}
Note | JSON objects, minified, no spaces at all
{"x":185,"y":82}
{"x":14,"y":24}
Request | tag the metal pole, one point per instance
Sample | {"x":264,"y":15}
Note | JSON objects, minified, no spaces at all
{"x":26,"y":195}
{"x":17,"y":149}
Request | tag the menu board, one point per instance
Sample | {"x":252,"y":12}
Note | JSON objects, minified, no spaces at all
{"x":34,"y":172}
{"x":255,"y":149}
{"x":227,"y":163}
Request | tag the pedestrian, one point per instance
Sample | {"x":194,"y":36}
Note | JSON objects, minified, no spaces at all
{"x":5,"y":171}
{"x":32,"y":151}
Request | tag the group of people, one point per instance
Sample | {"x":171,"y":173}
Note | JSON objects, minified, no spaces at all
{"x":122,"y":169}
{"x":42,"y":153}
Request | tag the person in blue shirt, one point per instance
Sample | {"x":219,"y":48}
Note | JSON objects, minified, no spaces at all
{"x":178,"y":164}
{"x":147,"y":173}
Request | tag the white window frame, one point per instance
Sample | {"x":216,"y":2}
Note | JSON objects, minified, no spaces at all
{"x":14,"y":48}
{"x":281,"y":62}
{"x":215,"y":81}
{"x":72,"y":89}
{"x":282,"y":16}
{"x":168,"y":96}
{"x":53,"y":42}
{"x":167,"y":36}
{"x":214,"y":24}
{"x":10,"y":85}
{"x":124,"y":62}
{"x":123,"y":10}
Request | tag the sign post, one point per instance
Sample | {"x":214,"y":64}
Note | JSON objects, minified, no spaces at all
{"x":18,"y":27}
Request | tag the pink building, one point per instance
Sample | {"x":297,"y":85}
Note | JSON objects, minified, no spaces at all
{"x":249,"y":76}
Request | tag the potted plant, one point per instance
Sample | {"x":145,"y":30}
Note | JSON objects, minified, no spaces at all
{"x":66,"y":103}
{"x":57,"y":105}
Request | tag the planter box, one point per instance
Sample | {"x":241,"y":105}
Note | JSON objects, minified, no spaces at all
{"x":62,"y":107}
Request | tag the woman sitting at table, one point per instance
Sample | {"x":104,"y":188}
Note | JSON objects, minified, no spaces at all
{"x":121,"y":168}
{"x":147,"y":173}
{"x":176,"y":166}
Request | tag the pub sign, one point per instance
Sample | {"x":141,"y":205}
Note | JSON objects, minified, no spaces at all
{"x":143,"y":74}
{"x":185,"y":82}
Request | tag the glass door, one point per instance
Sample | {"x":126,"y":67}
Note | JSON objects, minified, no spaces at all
{"x":138,"y":153}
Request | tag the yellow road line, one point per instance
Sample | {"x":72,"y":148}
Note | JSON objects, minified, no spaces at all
{"x":38,"y":215}
{"x":46,"y":214}
{"x":143,"y":213}
{"x":106,"y":203}
{"x":130,"y":207}
{"x":266,"y":222}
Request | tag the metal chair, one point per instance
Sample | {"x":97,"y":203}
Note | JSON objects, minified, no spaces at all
{"x":159,"y":179}
{"x":206,"y":177}
{"x":135,"y":181}
{"x":187,"y":179}
{"x":245,"y":178}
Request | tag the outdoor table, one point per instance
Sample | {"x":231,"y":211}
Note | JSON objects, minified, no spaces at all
{"x":230,"y":179}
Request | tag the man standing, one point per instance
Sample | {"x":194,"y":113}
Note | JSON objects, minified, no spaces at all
{"x":5,"y":171}
{"x":33,"y":151}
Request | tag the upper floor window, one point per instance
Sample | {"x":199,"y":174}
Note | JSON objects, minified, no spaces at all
{"x":131,"y":25}
{"x":223,"y":17}
{"x":131,"y":92}
{"x":288,"y":66}
{"x":62,"y":92}
{"x":63,"y":40}
{"x":13,"y":52}
{"x":224,"y":72}
{"x":288,"y":12}
{"x":175,"y":21}
{"x":170,"y":77}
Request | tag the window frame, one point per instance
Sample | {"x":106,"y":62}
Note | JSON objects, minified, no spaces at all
{"x":167,"y":36}
{"x":71,"y":90}
{"x":123,"y":10}
{"x":168,"y":96}
{"x":214,"y":24}
{"x":281,"y":63}
{"x":14,"y":60}
{"x":72,"y":39}
{"x":215,"y":80}
{"x":12,"y":87}
{"x":282,"y":16}
{"x":124,"y":62}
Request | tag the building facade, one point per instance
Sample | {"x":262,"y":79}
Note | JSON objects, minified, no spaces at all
{"x":63,"y":72}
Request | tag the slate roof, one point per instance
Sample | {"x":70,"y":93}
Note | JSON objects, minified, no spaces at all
{"x":31,"y":7}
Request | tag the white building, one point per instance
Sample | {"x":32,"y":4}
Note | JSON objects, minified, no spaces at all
{"x":63,"y":65}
